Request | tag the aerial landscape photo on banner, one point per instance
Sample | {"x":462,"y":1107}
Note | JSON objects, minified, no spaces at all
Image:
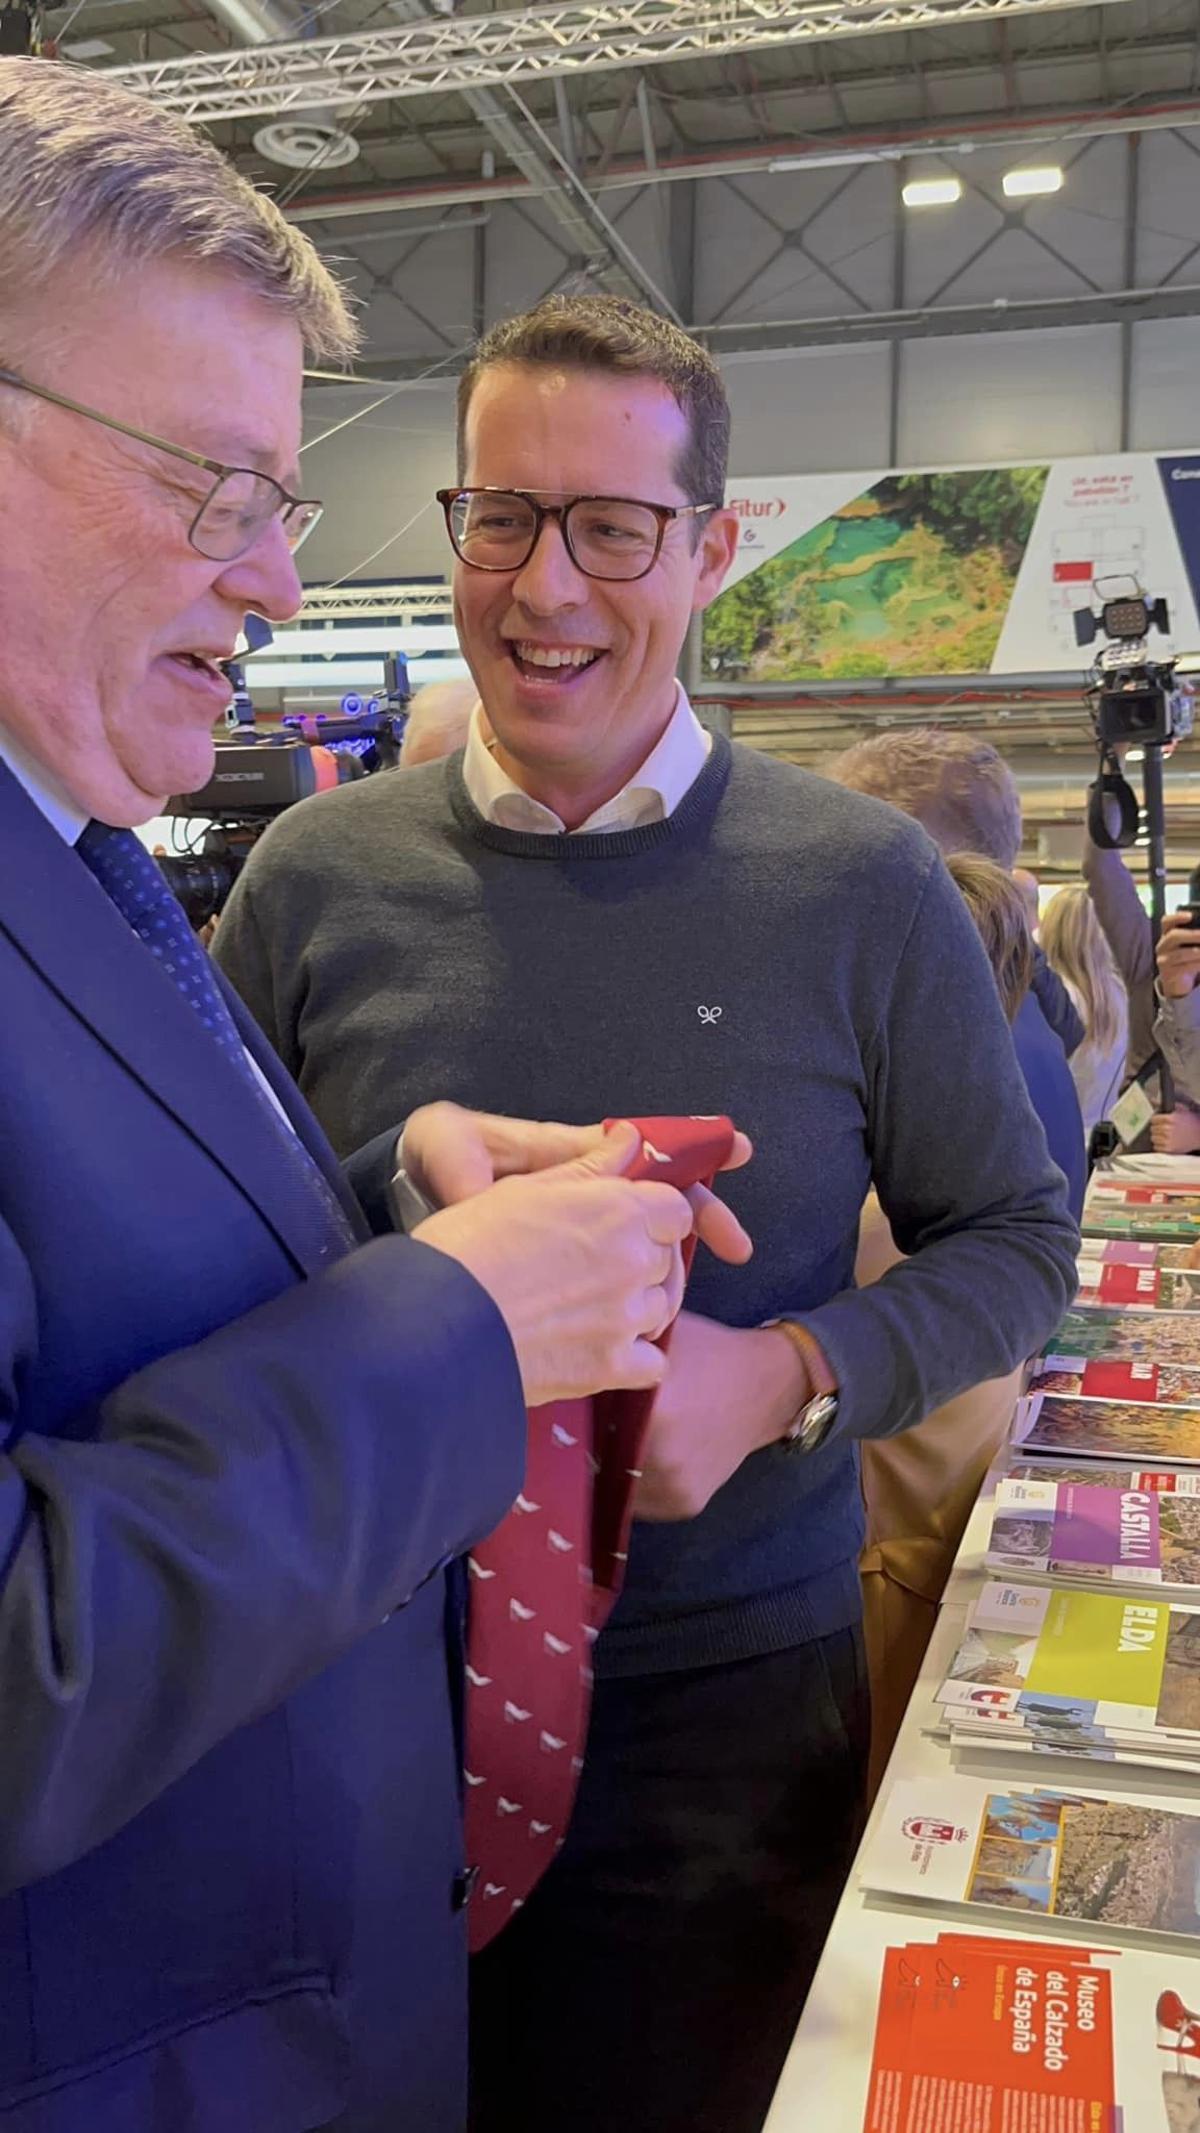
{"x":966,"y":570}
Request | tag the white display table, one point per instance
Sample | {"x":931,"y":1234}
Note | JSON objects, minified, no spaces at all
{"x":824,"y":2081}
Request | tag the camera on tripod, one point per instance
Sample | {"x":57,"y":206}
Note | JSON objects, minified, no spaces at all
{"x":257,"y":774}
{"x":1131,"y":696}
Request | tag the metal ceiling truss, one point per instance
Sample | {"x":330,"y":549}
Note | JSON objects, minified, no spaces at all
{"x":397,"y":603}
{"x":537,"y":43}
{"x":1002,"y":315}
{"x":596,"y":242}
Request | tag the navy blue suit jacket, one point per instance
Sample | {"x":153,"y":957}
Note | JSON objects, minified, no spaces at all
{"x":1043,"y":1062}
{"x":228,"y":1805}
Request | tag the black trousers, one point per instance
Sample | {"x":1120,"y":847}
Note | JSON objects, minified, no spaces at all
{"x":653,"y":1981}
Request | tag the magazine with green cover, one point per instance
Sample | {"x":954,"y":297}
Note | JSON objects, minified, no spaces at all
{"x":1088,"y":1670}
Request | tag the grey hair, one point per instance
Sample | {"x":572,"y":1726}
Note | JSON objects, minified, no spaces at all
{"x":87,"y":168}
{"x":957,"y":787}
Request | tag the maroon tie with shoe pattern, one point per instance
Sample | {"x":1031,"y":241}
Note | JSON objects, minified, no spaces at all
{"x":541,"y":1590}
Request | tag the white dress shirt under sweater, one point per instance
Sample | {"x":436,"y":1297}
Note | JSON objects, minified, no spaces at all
{"x":653,"y":793}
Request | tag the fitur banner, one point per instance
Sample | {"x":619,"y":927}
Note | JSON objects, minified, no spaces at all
{"x":954,"y":570}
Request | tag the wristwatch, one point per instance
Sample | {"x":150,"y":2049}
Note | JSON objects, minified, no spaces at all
{"x":813,"y":1421}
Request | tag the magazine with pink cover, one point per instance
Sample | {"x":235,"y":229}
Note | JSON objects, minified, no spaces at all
{"x":1130,"y":1528}
{"x":1127,"y":1251}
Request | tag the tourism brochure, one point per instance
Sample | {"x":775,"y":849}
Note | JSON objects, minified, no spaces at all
{"x":1128,"y":1862}
{"x":1110,"y":1429}
{"x":1015,"y":1466}
{"x":1126,"y":1251}
{"x":1128,"y":1336}
{"x":1123,"y":1355}
{"x":1130,"y":1527}
{"x":1085,"y":1671}
{"x":1157,"y":1217}
{"x":1131,"y":1287}
{"x":989,"y":2035}
{"x":1139,"y":1191}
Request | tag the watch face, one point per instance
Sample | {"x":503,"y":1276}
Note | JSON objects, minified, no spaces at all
{"x":813,"y":1425}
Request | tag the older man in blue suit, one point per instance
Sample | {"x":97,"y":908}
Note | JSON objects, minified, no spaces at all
{"x":242,"y":1440}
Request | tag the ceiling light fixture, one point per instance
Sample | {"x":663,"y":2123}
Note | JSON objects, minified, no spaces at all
{"x":836,"y":160}
{"x":931,"y":192}
{"x":1023,"y":184}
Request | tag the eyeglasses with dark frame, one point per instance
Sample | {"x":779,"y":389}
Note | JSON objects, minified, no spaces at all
{"x":614,"y":538}
{"x":238,"y":508}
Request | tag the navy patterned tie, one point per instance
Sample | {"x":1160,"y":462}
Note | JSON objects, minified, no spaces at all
{"x":129,"y":876}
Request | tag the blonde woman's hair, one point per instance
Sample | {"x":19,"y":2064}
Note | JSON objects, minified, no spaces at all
{"x":1075,"y":947}
{"x":90,"y":171}
{"x":998,"y":909}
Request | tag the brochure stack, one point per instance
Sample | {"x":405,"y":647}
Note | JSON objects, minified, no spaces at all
{"x":1083,"y":1643}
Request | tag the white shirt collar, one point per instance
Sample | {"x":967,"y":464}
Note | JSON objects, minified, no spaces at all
{"x":653,"y":793}
{"x":44,"y":789}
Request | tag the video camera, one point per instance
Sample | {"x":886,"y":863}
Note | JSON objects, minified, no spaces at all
{"x":257,"y":774}
{"x":1133,"y":697}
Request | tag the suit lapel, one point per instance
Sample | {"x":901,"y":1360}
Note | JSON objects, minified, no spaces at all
{"x":63,"y":923}
{"x":303,"y":1120}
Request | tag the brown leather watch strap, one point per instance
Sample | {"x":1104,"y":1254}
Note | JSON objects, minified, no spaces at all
{"x":820,"y":1377}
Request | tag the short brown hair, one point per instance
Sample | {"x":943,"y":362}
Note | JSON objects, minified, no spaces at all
{"x":87,"y":169}
{"x":611,"y":334}
{"x":956,"y":786}
{"x":998,"y":909}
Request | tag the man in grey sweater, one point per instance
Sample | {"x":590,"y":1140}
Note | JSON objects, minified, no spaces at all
{"x":598,"y":905}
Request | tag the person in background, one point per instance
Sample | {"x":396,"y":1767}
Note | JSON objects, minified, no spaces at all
{"x":1125,"y":924}
{"x":1077,"y":950}
{"x":963,"y":792}
{"x":919,"y":1489}
{"x":595,"y":898}
{"x":964,"y":795}
{"x":1177,"y":1033}
{"x":438,"y":718}
{"x":1031,"y":896}
{"x":242,"y":1440}
{"x":996,"y":911}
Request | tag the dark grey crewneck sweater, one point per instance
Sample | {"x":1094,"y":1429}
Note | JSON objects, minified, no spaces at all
{"x":779,"y":949}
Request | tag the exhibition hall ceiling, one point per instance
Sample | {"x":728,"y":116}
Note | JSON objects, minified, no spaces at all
{"x":751,"y":183}
{"x":738,"y":163}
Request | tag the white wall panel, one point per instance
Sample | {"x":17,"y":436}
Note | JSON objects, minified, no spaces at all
{"x":1166,"y":383}
{"x":813,"y":412}
{"x":375,"y":476}
{"x":1001,"y":396}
